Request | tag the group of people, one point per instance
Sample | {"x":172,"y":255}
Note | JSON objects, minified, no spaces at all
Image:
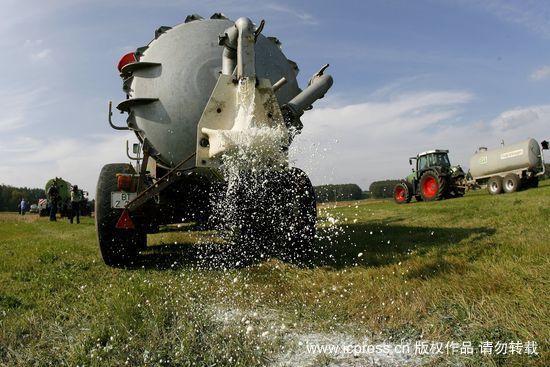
{"x":76,"y":199}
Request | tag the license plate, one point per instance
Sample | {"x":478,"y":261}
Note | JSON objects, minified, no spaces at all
{"x":119,"y":199}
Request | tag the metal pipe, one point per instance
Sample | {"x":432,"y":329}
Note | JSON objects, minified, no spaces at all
{"x":111,"y":122}
{"x":317,"y":89}
{"x":246,"y":58}
{"x":279,"y":84}
{"x":229,"y":61}
{"x":239,"y":52}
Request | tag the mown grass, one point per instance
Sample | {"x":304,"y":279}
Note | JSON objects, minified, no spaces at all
{"x":471,"y":269}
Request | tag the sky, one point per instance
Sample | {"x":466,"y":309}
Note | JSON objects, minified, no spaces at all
{"x":408,"y":76}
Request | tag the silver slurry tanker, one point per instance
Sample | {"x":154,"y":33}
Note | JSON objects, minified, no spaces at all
{"x":186,"y":93}
{"x":508,"y":168}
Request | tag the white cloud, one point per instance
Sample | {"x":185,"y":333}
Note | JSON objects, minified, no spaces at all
{"x":306,"y":18}
{"x":521,"y":118}
{"x":372,"y":141}
{"x":16,"y":106}
{"x":541,"y":73}
{"x":42,"y":54}
{"x":79,"y":161}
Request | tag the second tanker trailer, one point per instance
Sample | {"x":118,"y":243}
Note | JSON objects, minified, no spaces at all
{"x":508,"y":168}
{"x":198,"y":95}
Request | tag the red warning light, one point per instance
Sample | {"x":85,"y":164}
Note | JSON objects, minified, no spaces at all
{"x":129,"y":58}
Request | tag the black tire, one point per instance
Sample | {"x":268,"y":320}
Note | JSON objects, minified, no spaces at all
{"x":119,"y":247}
{"x":402,"y":193}
{"x":432,"y":186}
{"x":511,"y":183}
{"x":299,"y":218}
{"x":533,"y":182}
{"x":276,"y":219}
{"x":494,"y":185}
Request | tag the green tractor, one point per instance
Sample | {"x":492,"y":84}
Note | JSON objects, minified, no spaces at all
{"x":433,"y":178}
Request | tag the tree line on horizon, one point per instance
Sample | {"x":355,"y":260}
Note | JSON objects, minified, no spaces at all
{"x":10,"y":197}
{"x":382,"y":189}
{"x":340,"y":192}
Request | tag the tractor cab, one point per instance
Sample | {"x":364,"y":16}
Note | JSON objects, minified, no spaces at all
{"x":430,"y":159}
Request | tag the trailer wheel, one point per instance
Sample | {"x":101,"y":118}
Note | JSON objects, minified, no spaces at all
{"x":276,"y":220}
{"x":432,"y":186}
{"x":494,"y":185}
{"x":119,"y":247}
{"x":297,"y":230}
{"x":511,"y":183}
{"x":402,"y":193}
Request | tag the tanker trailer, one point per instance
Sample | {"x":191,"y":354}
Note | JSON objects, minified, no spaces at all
{"x":64,"y":200}
{"x":508,"y":168}
{"x":198,"y":94}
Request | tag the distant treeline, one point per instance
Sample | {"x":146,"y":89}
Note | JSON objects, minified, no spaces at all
{"x":326,"y":193}
{"x":382,"y":189}
{"x":10,"y":197}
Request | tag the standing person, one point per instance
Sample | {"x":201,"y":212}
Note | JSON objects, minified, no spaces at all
{"x":22,"y":206}
{"x":76,"y":198}
{"x":53,"y":195}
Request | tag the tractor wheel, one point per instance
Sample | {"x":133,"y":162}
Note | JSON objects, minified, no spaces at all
{"x":511,"y":183}
{"x":432,"y":186}
{"x":119,"y":247}
{"x":494,"y":185}
{"x":402,"y":193}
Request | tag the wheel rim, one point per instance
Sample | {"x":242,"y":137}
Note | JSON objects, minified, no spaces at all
{"x":429,"y":187}
{"x":494,"y":186}
{"x":509,"y":185}
{"x":400,"y":194}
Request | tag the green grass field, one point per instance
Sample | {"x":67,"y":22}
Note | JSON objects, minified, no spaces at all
{"x":472,"y":269}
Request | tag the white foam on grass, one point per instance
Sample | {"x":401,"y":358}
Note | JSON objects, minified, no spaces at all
{"x":304,"y":348}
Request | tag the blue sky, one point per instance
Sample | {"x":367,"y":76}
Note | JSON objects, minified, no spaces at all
{"x":409,"y":76}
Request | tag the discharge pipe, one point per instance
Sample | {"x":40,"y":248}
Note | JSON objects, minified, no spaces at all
{"x":239,"y":41}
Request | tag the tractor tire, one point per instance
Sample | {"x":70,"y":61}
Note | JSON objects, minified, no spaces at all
{"x":511,"y":183}
{"x":119,"y":247}
{"x":432,"y":186}
{"x":494,"y":185}
{"x":402,"y":193}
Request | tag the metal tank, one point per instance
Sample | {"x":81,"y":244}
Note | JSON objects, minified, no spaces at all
{"x":171,"y":80}
{"x":184,"y":100}
{"x":524,"y":155}
{"x":64,"y":189}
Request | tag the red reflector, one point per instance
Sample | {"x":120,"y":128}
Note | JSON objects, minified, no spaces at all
{"x":124,"y":182}
{"x":126,"y":59}
{"x":125,"y":222}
